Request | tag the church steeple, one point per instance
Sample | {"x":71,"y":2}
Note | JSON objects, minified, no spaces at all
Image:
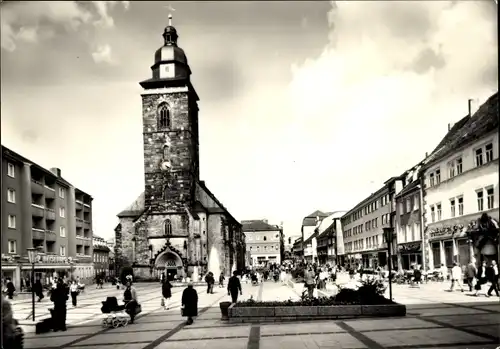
{"x":171,"y":65}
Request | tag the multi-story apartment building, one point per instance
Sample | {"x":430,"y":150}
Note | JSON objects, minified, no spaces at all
{"x":329,"y":239}
{"x":100,"y":256}
{"x":310,"y":224}
{"x":297,"y":251}
{"x":41,"y":209}
{"x":461,"y":184}
{"x":264,"y":241}
{"x":362,"y":226}
{"x":408,"y":222}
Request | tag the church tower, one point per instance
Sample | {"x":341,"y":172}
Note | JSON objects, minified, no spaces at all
{"x":170,"y":130}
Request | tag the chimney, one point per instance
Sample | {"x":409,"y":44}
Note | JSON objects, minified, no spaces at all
{"x":56,"y":171}
{"x":449,"y":127}
{"x":426,"y":154}
{"x":469,"y":104}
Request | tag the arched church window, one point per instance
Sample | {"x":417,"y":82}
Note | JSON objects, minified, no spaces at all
{"x":165,"y":152}
{"x":168,"y":227}
{"x":163,"y":116}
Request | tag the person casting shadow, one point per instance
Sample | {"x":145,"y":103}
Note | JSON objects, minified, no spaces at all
{"x":59,"y":297}
{"x":234,"y":286}
{"x":189,"y":303}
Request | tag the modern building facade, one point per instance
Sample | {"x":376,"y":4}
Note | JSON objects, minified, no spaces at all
{"x":101,"y":260}
{"x":461,"y":184}
{"x":177,"y":223}
{"x":363,"y":225}
{"x":41,"y":209}
{"x":264,"y":241}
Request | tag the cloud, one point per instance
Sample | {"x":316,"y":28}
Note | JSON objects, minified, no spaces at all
{"x":31,"y":21}
{"x":103,"y":55}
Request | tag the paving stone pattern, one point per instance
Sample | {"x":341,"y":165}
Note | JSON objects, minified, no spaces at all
{"x":436,"y":319}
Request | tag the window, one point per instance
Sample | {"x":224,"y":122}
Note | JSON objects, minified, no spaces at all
{"x":433,"y":214}
{"x":12,"y":222}
{"x":452,"y":207}
{"x":431,"y":180}
{"x":168,"y":227}
{"x":480,"y":202}
{"x":11,"y":170}
{"x":489,"y":152}
{"x":401,"y":208}
{"x":438,"y":176}
{"x":413,"y":232}
{"x":62,"y":250}
{"x":458,"y":166}
{"x":62,"y":232}
{"x":490,"y":198}
{"x":438,"y":209}
{"x":407,"y":233}
{"x":460,"y":206}
{"x":62,"y":193}
{"x":12,"y":246}
{"x":479,"y":157}
{"x":62,"y":212}
{"x":408,"y":205}
{"x":417,"y":231}
{"x":11,"y":196}
{"x":451,"y":169}
{"x":416,"y":202}
{"x":163,"y":116}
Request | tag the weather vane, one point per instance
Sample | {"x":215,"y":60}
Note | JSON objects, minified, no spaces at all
{"x":171,"y":9}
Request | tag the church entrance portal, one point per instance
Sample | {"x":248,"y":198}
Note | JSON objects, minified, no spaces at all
{"x":170,"y":263}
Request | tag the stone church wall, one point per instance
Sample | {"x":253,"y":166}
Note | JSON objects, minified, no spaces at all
{"x":215,"y":246}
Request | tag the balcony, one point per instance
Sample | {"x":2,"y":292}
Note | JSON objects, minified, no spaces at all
{"x":78,"y":205}
{"x":38,"y":234}
{"x":86,"y":225}
{"x":79,"y":222}
{"x":50,"y":214}
{"x":86,"y":242}
{"x":50,"y":235}
{"x":86,"y":207}
{"x":37,"y":187}
{"x":37,"y":210}
{"x":50,"y":193}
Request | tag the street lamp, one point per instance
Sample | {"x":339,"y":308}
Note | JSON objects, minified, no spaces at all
{"x":389,"y":237}
{"x":32,"y":256}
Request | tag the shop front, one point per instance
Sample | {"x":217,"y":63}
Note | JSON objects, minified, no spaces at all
{"x":483,"y":235}
{"x":409,"y":254}
{"x":11,"y":270}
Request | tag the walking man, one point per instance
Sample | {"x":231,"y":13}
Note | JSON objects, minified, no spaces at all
{"x":233,"y":286}
{"x":493,"y":276}
{"x":470,"y":273}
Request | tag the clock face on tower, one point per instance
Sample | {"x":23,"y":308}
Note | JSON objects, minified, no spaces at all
{"x":165,"y":165}
{"x":167,"y":71}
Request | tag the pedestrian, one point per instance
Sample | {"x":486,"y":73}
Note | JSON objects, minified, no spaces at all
{"x":189,"y":303}
{"x":221,"y":280}
{"x":59,"y":296}
{"x":233,"y":286}
{"x":456,"y":277}
{"x":210,"y":280}
{"x":166,"y":292}
{"x":444,"y":272}
{"x":470,"y":273}
{"x":480,"y":278}
{"x":493,"y":277}
{"x":130,"y":299}
{"x":38,"y":289}
{"x":10,"y":288}
{"x":73,"y":291}
{"x":309,"y":281}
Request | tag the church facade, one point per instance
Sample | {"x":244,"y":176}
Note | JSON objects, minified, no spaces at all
{"x":176,"y":225}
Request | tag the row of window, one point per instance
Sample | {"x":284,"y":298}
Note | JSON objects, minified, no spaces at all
{"x":264,"y":238}
{"x":482,"y":155}
{"x":410,"y":204}
{"x":11,"y":172}
{"x":409,"y":233}
{"x":456,"y":204}
{"x":12,"y":247}
{"x":369,"y":208}
{"x":266,"y":248}
{"x":11,"y":198}
{"x":360,"y":244}
{"x":12,"y":224}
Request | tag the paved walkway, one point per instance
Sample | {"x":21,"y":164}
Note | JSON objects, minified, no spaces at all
{"x":431,"y":323}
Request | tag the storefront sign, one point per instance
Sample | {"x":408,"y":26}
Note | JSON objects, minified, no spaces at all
{"x":53,"y":259}
{"x":445,"y":232}
{"x":410,"y":248}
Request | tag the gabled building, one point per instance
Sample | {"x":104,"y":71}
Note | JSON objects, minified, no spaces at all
{"x":264,"y":241}
{"x":461,"y":184}
{"x":329,"y":239}
{"x":309,"y":233}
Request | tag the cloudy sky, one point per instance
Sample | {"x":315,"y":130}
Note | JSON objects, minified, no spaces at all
{"x":304,"y":105}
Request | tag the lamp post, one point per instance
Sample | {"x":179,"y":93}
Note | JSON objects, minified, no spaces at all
{"x":32,"y":256}
{"x":389,"y":237}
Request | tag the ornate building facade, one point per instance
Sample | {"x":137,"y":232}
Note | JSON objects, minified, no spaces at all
{"x":176,"y":225}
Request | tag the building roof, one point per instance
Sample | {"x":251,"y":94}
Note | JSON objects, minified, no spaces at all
{"x":310,"y":220}
{"x":467,"y":130}
{"x":19,"y":158}
{"x":257,"y":225}
{"x":411,"y":187}
{"x":369,"y":198}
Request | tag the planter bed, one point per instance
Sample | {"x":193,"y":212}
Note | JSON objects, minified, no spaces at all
{"x":310,"y":312}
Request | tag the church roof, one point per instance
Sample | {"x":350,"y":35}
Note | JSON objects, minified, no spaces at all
{"x":135,"y":209}
{"x":221,"y":208}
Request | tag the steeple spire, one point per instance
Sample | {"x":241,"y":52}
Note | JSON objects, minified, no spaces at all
{"x":170,"y":34}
